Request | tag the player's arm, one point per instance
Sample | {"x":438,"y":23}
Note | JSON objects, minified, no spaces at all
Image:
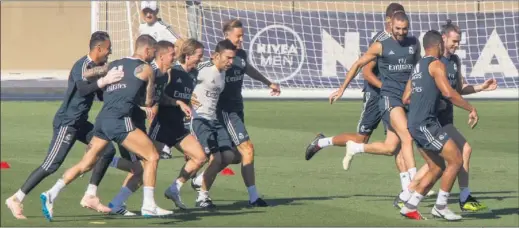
{"x":438,"y":72}
{"x":256,"y":75}
{"x":369,"y":76}
{"x":464,"y":88}
{"x":95,"y":72}
{"x":145,"y":73}
{"x":373,"y":51}
{"x":406,"y":98}
{"x":86,"y":87}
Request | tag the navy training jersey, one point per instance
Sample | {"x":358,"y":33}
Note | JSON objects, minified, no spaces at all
{"x":425,"y":95}
{"x":180,"y":87}
{"x":396,"y":64}
{"x":380,"y":36}
{"x":446,"y":115}
{"x":121,"y":98}
{"x":75,"y":108}
{"x":231,"y":99}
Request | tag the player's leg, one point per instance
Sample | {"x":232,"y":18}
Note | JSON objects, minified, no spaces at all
{"x":95,"y":147}
{"x":62,"y":141}
{"x":369,"y":119}
{"x":138,"y":142}
{"x":398,"y":120}
{"x":90,"y":199}
{"x":388,"y":147}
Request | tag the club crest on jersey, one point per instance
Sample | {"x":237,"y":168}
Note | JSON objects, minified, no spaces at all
{"x":243,"y":62}
{"x":455,"y":67}
{"x":411,"y":50}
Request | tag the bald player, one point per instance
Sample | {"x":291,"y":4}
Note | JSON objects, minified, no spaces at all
{"x":424,"y":92}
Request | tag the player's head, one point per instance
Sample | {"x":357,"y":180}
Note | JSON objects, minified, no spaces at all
{"x":392,"y":9}
{"x":100,"y":46}
{"x":233,"y":31}
{"x":451,"y":35}
{"x":165,"y":52}
{"x":149,"y":10}
{"x":433,"y":43}
{"x":145,"y":47}
{"x":223,"y":55}
{"x":399,"y":25}
{"x":191,"y":52}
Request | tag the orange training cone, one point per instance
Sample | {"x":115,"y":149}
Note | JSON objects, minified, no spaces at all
{"x":227,"y":172}
{"x":4,"y":165}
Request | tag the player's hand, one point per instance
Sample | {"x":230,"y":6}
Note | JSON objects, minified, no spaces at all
{"x":473,"y":118}
{"x":185,"y":108}
{"x":336,"y":95}
{"x":275,"y":90}
{"x":150,"y":113}
{"x":489,"y":85}
{"x":194,"y":102}
{"x":113,"y":75}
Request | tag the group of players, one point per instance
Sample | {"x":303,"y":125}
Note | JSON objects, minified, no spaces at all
{"x":194,"y":106}
{"x":197,"y":107}
{"x":414,"y":97}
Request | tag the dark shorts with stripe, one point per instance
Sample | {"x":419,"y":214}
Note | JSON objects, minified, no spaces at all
{"x":371,"y":115}
{"x":455,"y":135}
{"x":168,"y":132}
{"x":429,"y":136}
{"x":234,"y":123}
{"x":211,"y":134}
{"x":113,"y":129}
{"x":386,"y":104}
{"x":130,"y":156}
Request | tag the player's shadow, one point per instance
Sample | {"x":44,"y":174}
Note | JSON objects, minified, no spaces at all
{"x":191,"y":215}
{"x":273,"y":202}
{"x":453,"y":197}
{"x":493,"y":214}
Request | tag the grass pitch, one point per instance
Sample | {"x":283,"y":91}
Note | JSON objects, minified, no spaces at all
{"x":303,"y":193}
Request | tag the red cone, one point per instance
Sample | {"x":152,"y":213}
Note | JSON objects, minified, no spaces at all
{"x":227,"y":172}
{"x":4,"y":165}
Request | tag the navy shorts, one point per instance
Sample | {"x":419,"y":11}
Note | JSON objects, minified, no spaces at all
{"x":211,"y":134}
{"x":169,"y":133}
{"x":386,"y":104}
{"x":455,"y":135}
{"x":371,"y":115}
{"x":235,"y":125}
{"x":113,"y":129}
{"x":429,"y":136}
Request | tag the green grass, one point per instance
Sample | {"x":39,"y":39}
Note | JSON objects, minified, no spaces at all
{"x":305,"y":193}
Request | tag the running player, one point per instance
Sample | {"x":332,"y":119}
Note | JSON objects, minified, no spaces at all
{"x":113,"y":123}
{"x":168,"y":128}
{"x":451,"y":35}
{"x":396,"y":59}
{"x":424,"y":91}
{"x":204,"y":124}
{"x":71,"y":120}
{"x":230,"y":109}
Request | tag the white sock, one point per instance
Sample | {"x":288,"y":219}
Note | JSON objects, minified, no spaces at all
{"x":121,"y":197}
{"x":324,"y":142}
{"x":91,"y":190}
{"x":357,"y":147}
{"x":199,"y":179}
{"x":253,"y":193}
{"x":442,"y":198}
{"x":54,"y":191}
{"x":202,"y":195}
{"x":464,"y":194}
{"x":19,"y":195}
{"x":414,"y":200}
{"x":114,"y":162}
{"x":175,"y":187}
{"x":412,"y":172}
{"x":405,"y":181}
{"x":149,"y":199}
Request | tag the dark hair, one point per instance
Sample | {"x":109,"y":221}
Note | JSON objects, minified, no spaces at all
{"x":188,"y":48}
{"x":230,"y":25}
{"x":98,"y":37}
{"x":431,"y":39}
{"x":163,"y":45}
{"x":393,"y":8}
{"x":449,"y":27}
{"x":224,"y":45}
{"x":400,"y":16}
{"x":145,"y":40}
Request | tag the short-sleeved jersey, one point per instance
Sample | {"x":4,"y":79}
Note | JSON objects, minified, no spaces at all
{"x":231,"y":99}
{"x":210,"y":84}
{"x":380,"y":36}
{"x":425,"y":95}
{"x":159,"y":31}
{"x":179,"y":87}
{"x":74,"y":108}
{"x":446,"y":115}
{"x":121,"y":98}
{"x":396,"y":64}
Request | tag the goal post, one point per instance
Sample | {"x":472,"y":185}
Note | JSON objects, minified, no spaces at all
{"x":308,"y":46}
